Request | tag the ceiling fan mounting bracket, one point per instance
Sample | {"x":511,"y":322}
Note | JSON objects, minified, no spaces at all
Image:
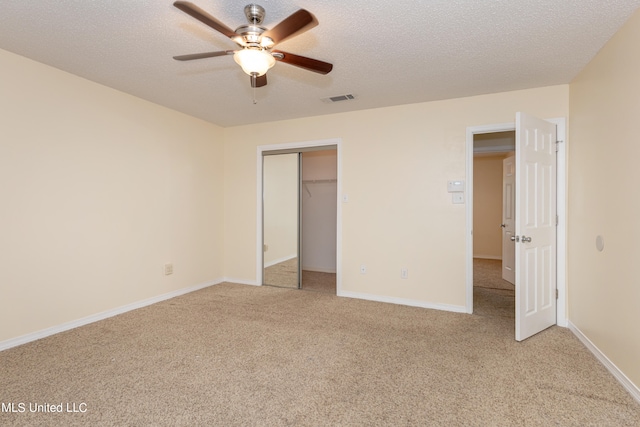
{"x":254,"y":13}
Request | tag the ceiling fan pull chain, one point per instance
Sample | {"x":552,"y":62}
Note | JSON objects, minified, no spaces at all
{"x":254,"y":84}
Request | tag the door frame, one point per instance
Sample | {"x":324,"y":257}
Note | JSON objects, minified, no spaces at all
{"x":337,"y":142}
{"x":561,"y":243}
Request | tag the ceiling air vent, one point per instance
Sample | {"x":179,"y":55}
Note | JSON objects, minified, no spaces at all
{"x":348,"y":97}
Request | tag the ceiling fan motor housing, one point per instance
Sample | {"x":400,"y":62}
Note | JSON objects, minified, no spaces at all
{"x":250,"y":34}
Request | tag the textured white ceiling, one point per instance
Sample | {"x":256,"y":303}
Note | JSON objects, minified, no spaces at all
{"x":384,"y":52}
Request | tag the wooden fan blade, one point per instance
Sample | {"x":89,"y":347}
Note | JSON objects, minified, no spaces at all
{"x":202,"y":16}
{"x":303,"y":62}
{"x":295,"y":24}
{"x":259,"y":81}
{"x":202,"y":55}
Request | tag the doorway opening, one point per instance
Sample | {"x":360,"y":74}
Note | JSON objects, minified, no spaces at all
{"x":319,"y":198}
{"x":493,"y":224}
{"x":299,"y":219}
{"x":560,"y":253}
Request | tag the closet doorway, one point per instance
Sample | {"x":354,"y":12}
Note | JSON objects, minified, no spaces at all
{"x":299,"y":218}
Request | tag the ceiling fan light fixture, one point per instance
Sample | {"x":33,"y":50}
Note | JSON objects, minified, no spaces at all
{"x":255,"y":42}
{"x":254,"y":62}
{"x":266,"y":42}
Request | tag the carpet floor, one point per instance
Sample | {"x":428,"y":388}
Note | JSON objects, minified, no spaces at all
{"x":492,"y":296}
{"x":237,"y":355}
{"x":285,"y":274}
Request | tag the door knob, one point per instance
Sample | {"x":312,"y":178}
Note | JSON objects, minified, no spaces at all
{"x":526,"y":239}
{"x":503,"y":225}
{"x":515,"y":238}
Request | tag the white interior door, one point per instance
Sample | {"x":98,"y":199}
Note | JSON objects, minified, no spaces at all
{"x":535,"y":238}
{"x":509,"y":219}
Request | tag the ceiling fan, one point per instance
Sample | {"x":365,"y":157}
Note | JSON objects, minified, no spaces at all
{"x":255,"y":55}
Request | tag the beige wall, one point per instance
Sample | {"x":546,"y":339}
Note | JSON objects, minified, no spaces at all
{"x":487,"y":206}
{"x":604,"y":290}
{"x":99,"y":190}
{"x":395,"y":165}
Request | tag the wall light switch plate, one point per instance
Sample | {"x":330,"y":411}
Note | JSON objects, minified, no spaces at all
{"x":458,"y":198}
{"x":455,"y":186}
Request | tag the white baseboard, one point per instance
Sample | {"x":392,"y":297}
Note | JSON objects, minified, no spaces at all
{"x":611,"y":367}
{"x":497,"y":257}
{"x":279,"y":260}
{"x":319,"y":269}
{"x":241,"y":281}
{"x":403,"y":301}
{"x":14,"y":342}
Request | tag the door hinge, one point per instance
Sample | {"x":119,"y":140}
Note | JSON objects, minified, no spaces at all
{"x":557,"y":294}
{"x":558,"y":145}
{"x":557,"y":220}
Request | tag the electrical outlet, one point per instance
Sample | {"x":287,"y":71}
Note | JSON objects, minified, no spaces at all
{"x":404,"y":273}
{"x":363,"y":269}
{"x":168,"y":269}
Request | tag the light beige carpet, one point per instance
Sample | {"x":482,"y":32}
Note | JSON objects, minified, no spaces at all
{"x":492,"y":296}
{"x":487,"y":273}
{"x":237,"y":355}
{"x":285,"y":274}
